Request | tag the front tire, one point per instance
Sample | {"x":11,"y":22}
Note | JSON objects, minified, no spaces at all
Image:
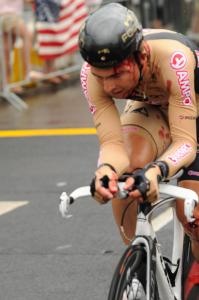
{"x":190,"y":278}
{"x":129,"y":279}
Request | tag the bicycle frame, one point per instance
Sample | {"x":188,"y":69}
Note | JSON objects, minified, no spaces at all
{"x":145,"y":234}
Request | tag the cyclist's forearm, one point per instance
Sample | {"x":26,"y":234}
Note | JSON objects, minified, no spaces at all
{"x":116,"y":156}
{"x":180,"y":154}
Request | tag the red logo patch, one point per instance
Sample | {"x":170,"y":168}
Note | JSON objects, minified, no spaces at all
{"x":178,"y":60}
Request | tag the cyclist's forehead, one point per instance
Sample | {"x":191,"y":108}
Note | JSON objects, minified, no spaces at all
{"x":125,"y":66}
{"x":102,"y":72}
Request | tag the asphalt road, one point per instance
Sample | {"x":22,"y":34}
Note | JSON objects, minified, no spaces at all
{"x":43,"y":256}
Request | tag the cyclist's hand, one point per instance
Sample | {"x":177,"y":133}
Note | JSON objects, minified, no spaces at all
{"x":192,"y":229}
{"x":104,"y":185}
{"x":152,"y":175}
{"x":148,"y":188}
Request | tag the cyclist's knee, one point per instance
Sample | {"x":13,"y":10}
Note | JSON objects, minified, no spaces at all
{"x":140,"y":148}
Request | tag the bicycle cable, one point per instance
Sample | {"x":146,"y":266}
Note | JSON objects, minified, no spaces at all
{"x":122,"y":221}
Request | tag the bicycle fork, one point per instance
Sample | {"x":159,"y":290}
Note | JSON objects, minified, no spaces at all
{"x":158,"y":285}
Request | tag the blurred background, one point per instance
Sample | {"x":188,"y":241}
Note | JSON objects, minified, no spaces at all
{"x":38,"y":39}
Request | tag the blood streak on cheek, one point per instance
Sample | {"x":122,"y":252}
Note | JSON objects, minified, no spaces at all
{"x":169,"y":85}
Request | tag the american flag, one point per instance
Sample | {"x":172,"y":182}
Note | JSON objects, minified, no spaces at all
{"x":57,"y":25}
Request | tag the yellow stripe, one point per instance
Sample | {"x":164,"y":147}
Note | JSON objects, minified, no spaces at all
{"x":46,"y":132}
{"x":7,"y":206}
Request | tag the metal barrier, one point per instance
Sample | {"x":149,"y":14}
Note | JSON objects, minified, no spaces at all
{"x":5,"y":55}
{"x":19,"y":61}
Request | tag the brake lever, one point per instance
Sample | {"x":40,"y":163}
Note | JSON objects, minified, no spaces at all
{"x":138,"y":185}
{"x":65,"y":202}
{"x":189,"y":206}
{"x":122,"y":193}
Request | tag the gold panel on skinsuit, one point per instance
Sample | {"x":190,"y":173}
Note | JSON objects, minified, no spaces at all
{"x":147,"y":121}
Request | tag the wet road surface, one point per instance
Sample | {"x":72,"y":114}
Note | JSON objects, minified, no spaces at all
{"x":49,"y":107}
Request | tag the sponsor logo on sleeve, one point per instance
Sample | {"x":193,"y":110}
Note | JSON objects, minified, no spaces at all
{"x":193,"y":173}
{"x":180,"y":153}
{"x":183,"y":117}
{"x":178,"y":62}
{"x":84,"y":80}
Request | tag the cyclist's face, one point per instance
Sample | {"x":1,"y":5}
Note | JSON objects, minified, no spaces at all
{"x":118,"y":82}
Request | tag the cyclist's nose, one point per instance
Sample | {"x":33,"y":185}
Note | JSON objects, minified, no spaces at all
{"x":108,"y":85}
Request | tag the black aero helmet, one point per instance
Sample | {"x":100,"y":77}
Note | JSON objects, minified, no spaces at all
{"x":109,"y":35}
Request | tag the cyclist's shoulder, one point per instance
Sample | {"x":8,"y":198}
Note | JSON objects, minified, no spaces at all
{"x":150,"y":31}
{"x":166,"y":46}
{"x":167,"y":41}
{"x":151,"y":34}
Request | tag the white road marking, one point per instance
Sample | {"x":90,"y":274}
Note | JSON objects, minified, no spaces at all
{"x":64,"y":247}
{"x":61,"y":184}
{"x":69,"y":216}
{"x":7,"y":206}
{"x":162,"y":219}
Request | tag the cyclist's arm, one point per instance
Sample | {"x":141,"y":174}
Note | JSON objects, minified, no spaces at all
{"x":107,"y":122}
{"x":182,"y":109}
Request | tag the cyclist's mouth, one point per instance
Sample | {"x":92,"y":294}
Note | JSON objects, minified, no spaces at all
{"x":120,"y":94}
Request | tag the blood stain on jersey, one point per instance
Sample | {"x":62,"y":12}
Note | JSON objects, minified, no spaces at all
{"x":161,"y":132}
{"x":169,"y":84}
{"x":158,"y":116}
{"x":164,"y":136}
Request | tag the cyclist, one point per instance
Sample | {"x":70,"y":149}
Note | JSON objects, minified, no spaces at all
{"x":156,"y":135}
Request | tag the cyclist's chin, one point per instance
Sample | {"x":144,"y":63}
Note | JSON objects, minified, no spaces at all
{"x":120,"y":95}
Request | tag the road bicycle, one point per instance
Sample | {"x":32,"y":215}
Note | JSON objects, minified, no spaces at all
{"x":143,"y":273}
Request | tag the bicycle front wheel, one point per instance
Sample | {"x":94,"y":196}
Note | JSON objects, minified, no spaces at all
{"x":129,"y":279}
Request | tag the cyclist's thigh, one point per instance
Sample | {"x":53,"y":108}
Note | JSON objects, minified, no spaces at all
{"x":146,"y":132}
{"x":146,"y":136}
